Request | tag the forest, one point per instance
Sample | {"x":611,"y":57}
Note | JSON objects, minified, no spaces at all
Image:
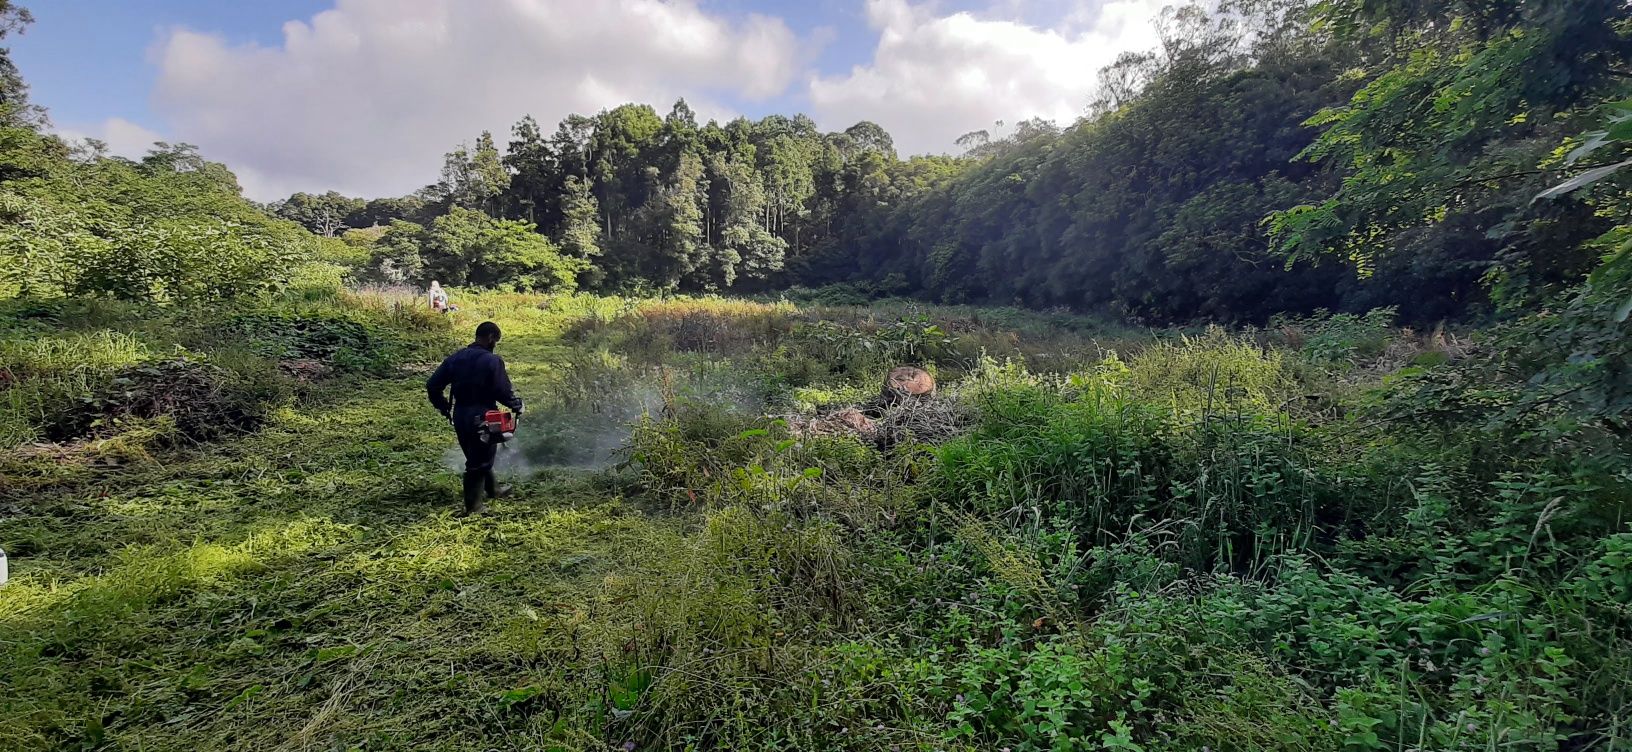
{"x":1264,"y":160}
{"x":1282,"y":401}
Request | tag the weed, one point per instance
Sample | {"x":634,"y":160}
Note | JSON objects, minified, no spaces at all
{"x":1159,"y":547}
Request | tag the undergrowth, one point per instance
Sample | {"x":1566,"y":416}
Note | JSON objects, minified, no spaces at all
{"x":1305,"y":538}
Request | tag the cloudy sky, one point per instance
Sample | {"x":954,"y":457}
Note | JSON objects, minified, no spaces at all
{"x":364,"y":96}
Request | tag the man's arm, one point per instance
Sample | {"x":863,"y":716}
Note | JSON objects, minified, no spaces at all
{"x":502,"y":392}
{"x":435,"y":387}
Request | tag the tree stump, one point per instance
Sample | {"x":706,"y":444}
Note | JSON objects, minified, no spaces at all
{"x":907,"y":383}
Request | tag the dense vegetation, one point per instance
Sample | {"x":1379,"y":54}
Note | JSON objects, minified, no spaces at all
{"x":1273,"y":156}
{"x":230,"y":519}
{"x":1328,"y":535}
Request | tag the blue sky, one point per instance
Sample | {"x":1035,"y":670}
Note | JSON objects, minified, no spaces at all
{"x":364,"y":95}
{"x":87,"y":59}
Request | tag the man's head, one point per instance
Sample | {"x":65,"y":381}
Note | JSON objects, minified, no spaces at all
{"x":487,"y":334}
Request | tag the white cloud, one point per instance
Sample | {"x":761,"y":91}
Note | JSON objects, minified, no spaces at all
{"x":364,"y":98}
{"x":933,"y":77}
{"x":124,"y":138}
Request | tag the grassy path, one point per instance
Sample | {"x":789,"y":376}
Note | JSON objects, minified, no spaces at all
{"x":301,"y":588}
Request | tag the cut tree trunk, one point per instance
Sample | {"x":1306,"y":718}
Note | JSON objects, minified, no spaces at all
{"x":907,"y":383}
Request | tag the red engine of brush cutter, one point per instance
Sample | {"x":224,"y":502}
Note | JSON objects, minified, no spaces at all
{"x":498,"y":426}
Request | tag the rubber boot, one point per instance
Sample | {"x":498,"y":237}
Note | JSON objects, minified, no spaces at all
{"x":494,"y":490}
{"x":473,"y":493}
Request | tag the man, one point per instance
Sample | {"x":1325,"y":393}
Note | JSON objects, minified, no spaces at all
{"x":479,"y":384}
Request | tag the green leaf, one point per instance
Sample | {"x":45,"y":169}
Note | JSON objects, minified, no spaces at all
{"x":245,"y":696}
{"x":95,"y":735}
{"x":328,"y":654}
{"x":520,"y":695}
{"x":1594,"y":141}
{"x":1581,"y":181}
{"x":623,"y":698}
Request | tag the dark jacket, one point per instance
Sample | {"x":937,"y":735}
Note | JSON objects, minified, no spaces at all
{"x":478,"y":379}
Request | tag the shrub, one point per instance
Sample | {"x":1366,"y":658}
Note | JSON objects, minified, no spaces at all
{"x":345,"y":337}
{"x":817,"y":351}
{"x":649,"y":330}
{"x":1210,"y":375}
{"x":1241,"y":488}
{"x":23,"y":360}
{"x":1341,"y":338}
{"x":699,"y":624}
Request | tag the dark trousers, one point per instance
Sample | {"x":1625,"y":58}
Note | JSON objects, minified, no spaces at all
{"x":479,"y":456}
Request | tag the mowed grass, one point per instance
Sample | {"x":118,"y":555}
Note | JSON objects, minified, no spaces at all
{"x":299,"y":586}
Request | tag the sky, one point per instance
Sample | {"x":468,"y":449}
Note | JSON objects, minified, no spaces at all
{"x":365,"y":96}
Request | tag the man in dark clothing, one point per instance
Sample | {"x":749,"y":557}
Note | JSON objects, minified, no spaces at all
{"x":479,"y":384}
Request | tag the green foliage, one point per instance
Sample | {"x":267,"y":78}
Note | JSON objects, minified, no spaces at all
{"x":1146,"y":551}
{"x":40,"y":375}
{"x":1244,"y":488}
{"x":1445,"y":146}
{"x":1617,"y":130}
{"x":1135,"y":210}
{"x":321,"y":215}
{"x":1339,"y":338}
{"x":14,"y":105}
{"x":1214,"y":374}
{"x":170,"y":229}
{"x":465,"y":247}
{"x":345,"y":343}
{"x":829,"y":349}
{"x":1556,"y":375}
{"x":395,"y":257}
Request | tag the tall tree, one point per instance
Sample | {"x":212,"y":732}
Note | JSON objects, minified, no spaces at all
{"x":537,"y":177}
{"x":15,"y":109}
{"x":580,"y":233}
{"x":326,"y":214}
{"x":621,"y":138}
{"x":474,"y":179}
{"x":491,"y":178}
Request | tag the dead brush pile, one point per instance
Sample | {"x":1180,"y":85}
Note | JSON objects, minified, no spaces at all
{"x":922,"y":421}
{"x":201,"y":400}
{"x":926,"y":421}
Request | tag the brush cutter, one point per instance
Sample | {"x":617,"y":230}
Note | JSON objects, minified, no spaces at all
{"x":498,"y":426}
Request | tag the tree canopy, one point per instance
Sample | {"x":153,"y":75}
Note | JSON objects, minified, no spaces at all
{"x":1268,"y":156}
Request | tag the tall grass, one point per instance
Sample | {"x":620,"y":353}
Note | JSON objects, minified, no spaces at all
{"x":40,"y":375}
{"x":39,"y":357}
{"x":1214,"y":374}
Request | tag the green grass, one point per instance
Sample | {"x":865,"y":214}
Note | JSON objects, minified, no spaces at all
{"x":1154,"y":551}
{"x":290,"y":585}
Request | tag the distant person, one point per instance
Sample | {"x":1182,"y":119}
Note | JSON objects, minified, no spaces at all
{"x":479,"y":384}
{"x":439,"y":297}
